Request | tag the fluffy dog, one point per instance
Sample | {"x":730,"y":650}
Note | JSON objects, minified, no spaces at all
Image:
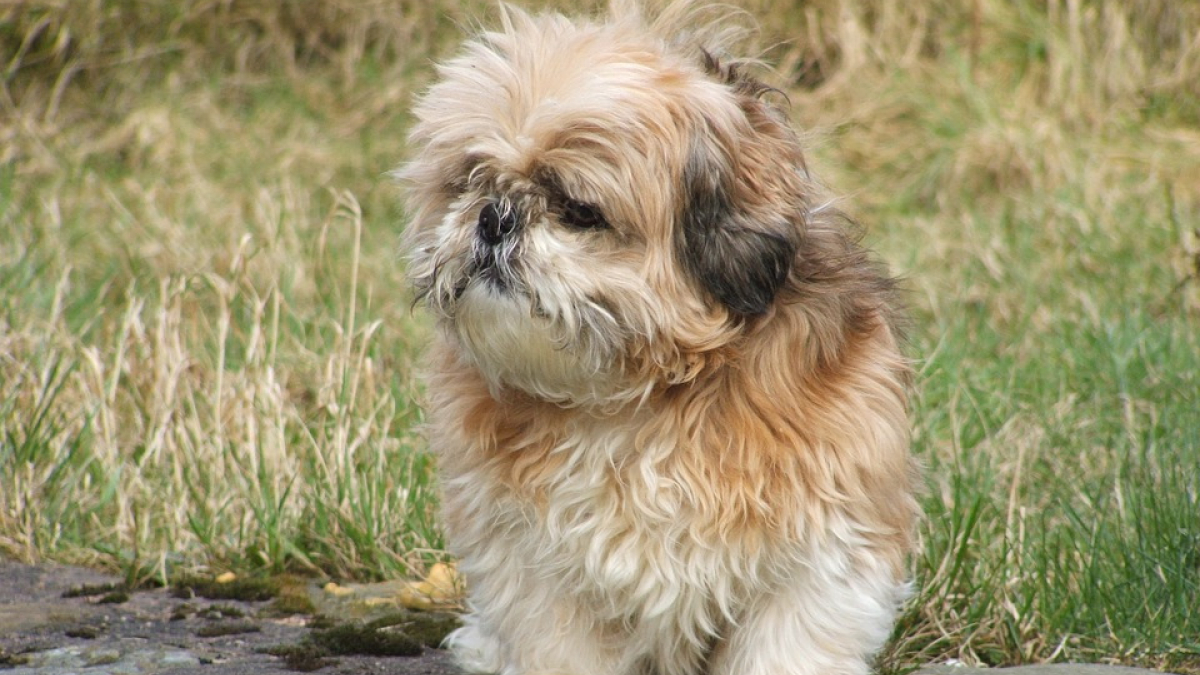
{"x":665,"y":391}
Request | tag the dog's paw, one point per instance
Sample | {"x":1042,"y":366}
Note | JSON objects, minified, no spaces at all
{"x":475,"y":651}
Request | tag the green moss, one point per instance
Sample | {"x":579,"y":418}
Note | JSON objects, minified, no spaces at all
{"x":304,"y":657}
{"x":182,"y":611}
{"x":398,"y":634}
{"x":288,"y":604}
{"x":115,"y":598}
{"x":8,"y":660}
{"x":217,"y":612}
{"x":322,"y":622}
{"x":83,"y":632}
{"x":86,"y":590}
{"x":427,"y":628}
{"x":246,"y":590}
{"x":356,"y":638}
{"x":227,"y":628}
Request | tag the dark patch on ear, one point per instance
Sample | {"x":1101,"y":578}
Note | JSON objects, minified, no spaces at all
{"x":742,"y":262}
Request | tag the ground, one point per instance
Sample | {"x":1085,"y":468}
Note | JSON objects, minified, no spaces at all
{"x":44,"y":633}
{"x":153,"y":631}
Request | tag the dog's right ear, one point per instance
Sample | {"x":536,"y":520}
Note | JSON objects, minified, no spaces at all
{"x":737,"y":243}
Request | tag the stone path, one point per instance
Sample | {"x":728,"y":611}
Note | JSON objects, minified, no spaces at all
{"x":43,"y":633}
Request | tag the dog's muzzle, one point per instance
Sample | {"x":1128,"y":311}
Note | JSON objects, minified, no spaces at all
{"x":496,"y":223}
{"x":497,"y":242}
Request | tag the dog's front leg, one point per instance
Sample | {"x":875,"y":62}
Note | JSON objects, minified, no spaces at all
{"x":525,"y":630}
{"x":826,"y":622}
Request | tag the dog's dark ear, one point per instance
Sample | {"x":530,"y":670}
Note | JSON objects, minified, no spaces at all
{"x":740,"y":252}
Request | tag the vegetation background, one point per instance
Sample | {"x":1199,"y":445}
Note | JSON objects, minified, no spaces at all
{"x":207,"y":351}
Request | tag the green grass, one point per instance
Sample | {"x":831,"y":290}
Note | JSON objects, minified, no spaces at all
{"x":207,"y":351}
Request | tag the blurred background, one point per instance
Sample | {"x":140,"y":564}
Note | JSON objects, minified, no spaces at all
{"x":207,"y":350}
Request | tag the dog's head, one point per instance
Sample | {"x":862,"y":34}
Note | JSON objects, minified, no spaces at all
{"x":597,"y":209}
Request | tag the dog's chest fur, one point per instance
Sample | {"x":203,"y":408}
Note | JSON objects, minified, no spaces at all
{"x":612,"y":511}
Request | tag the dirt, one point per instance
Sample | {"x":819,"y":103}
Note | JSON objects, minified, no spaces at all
{"x":102,"y":628}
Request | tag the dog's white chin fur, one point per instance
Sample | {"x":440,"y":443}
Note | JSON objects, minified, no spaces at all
{"x":514,"y":347}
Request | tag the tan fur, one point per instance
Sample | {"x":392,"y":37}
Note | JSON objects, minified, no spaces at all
{"x":639,"y":473}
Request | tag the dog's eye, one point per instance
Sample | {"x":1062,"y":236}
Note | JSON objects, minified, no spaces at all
{"x":582,"y":216}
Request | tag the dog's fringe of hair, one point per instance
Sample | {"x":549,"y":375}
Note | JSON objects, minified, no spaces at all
{"x":714,"y":32}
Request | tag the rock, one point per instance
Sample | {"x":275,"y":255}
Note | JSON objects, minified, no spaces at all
{"x":103,"y":661}
{"x":1043,"y":669}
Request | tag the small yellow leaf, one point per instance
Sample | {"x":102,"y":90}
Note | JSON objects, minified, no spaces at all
{"x":338,"y":591}
{"x":412,"y":598}
{"x":445,"y":580}
{"x":442,"y":588}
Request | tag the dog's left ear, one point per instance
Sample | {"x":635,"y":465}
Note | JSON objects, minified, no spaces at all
{"x":740,"y":226}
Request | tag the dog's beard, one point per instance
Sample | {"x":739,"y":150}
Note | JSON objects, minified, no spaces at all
{"x":523,"y":317}
{"x":494,"y":266}
{"x":514,"y":345}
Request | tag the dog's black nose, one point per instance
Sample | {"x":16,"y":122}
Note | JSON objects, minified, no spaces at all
{"x":496,"y":223}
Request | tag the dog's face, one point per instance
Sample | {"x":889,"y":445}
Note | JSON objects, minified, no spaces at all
{"x":596,"y":212}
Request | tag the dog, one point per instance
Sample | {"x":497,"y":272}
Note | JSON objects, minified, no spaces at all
{"x":666,"y":393}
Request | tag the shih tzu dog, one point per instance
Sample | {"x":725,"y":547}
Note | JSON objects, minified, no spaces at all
{"x":665,"y":392}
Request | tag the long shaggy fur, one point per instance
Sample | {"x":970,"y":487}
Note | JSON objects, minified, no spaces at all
{"x":665,"y":393}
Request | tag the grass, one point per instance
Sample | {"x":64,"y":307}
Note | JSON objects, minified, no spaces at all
{"x":207,"y":353}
